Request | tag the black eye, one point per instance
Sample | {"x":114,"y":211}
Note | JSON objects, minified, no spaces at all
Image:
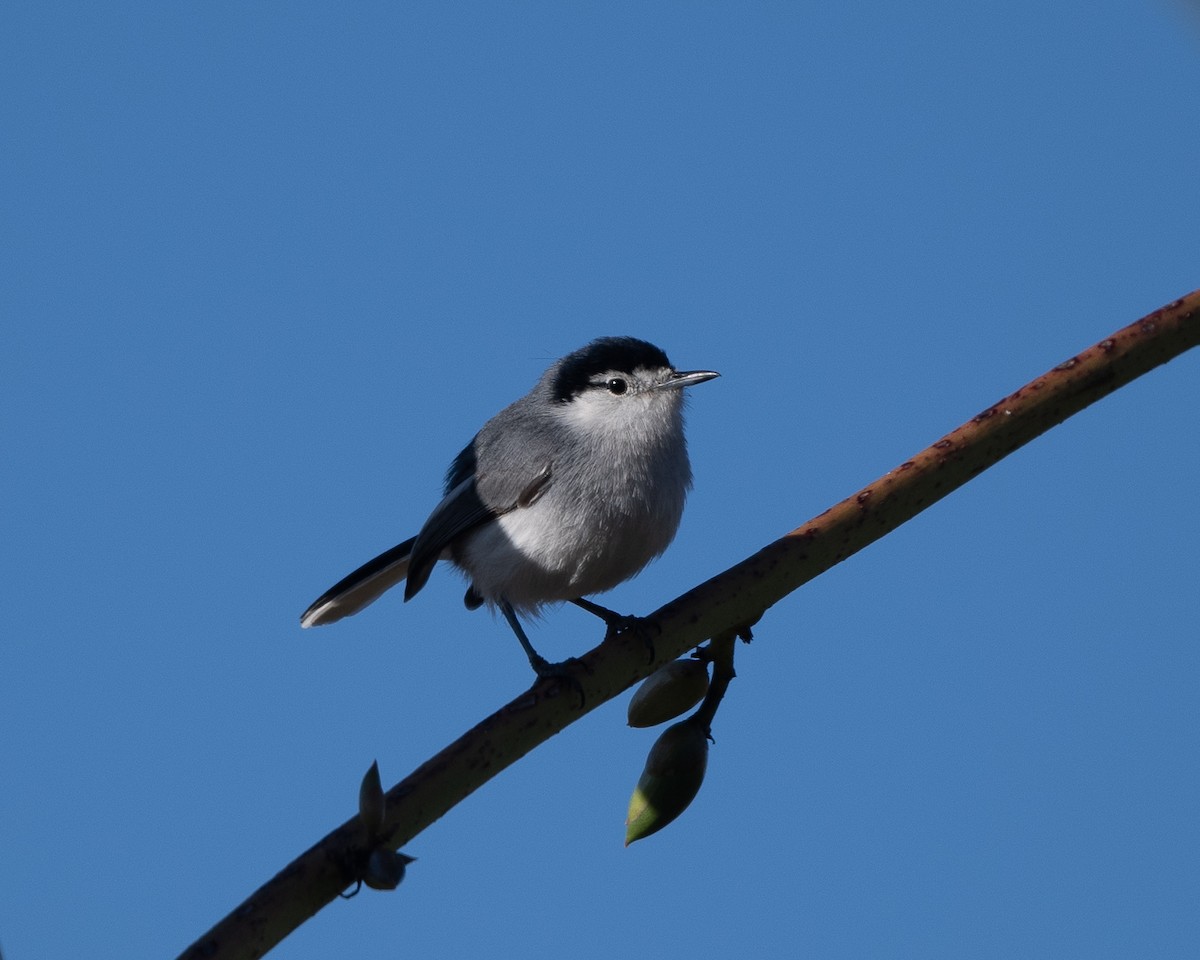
{"x":617,"y":386}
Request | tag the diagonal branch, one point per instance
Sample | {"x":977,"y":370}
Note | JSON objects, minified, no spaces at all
{"x":729,"y":601}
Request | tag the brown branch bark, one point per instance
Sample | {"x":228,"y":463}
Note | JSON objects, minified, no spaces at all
{"x":729,"y":601}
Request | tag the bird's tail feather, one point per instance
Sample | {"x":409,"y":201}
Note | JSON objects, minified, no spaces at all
{"x":362,"y":587}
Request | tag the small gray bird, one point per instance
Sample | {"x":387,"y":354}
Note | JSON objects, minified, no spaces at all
{"x":569,"y":491}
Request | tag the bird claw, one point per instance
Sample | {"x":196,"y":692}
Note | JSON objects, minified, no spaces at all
{"x":645,"y":630}
{"x":564,"y":672}
{"x":617,"y":624}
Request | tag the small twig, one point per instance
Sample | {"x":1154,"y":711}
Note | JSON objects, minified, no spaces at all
{"x":719,"y":652}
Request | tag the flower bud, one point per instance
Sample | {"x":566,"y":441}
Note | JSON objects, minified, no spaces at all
{"x":672,"y":689}
{"x":670,"y":781}
{"x":371,"y":801}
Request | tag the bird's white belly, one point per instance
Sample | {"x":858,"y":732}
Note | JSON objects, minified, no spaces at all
{"x":541,"y":554}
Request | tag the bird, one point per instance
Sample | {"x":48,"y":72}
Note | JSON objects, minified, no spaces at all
{"x":568,"y":491}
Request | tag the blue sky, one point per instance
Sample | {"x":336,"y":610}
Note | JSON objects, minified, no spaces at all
{"x":267,"y":269}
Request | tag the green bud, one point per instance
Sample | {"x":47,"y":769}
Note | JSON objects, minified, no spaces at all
{"x":670,"y":781}
{"x":672,"y":689}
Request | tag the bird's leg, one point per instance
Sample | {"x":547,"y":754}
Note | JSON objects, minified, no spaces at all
{"x":541,"y":666}
{"x":618,"y":623}
{"x":539,"y":663}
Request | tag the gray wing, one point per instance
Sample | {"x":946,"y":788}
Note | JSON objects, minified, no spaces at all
{"x":475,"y":497}
{"x":460,"y":510}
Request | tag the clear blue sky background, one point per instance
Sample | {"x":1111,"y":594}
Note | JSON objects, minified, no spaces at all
{"x":266,"y":268}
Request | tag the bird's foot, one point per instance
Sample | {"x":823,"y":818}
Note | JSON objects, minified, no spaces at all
{"x":618,"y":624}
{"x":566,"y":672}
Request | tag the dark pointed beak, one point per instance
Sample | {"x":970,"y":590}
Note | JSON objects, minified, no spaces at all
{"x":687,"y":378}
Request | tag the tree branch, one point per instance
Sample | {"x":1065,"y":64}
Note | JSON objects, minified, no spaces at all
{"x":729,"y":601}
